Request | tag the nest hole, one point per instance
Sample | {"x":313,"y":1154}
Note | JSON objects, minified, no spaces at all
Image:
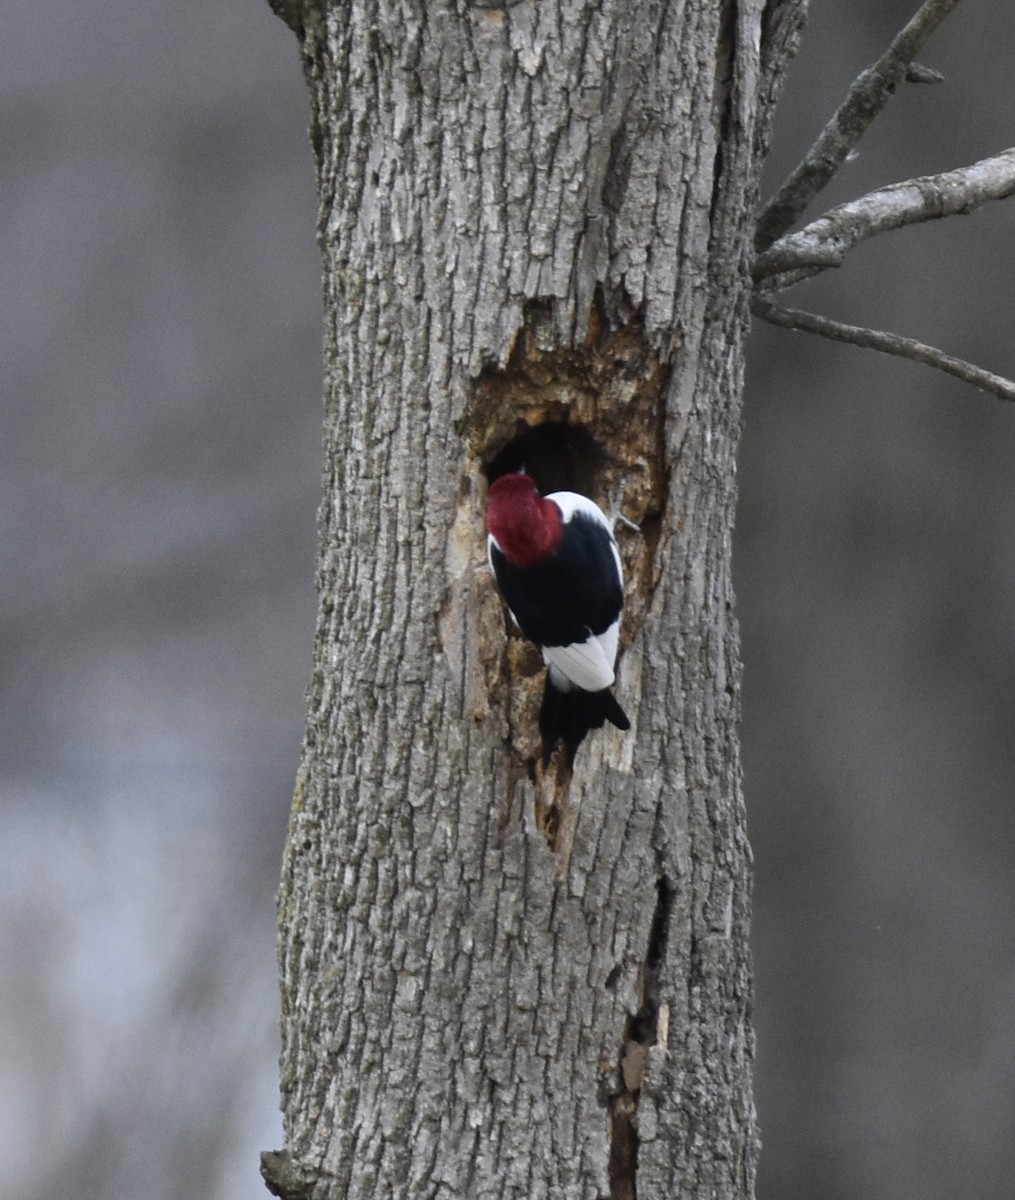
{"x":558,"y":456}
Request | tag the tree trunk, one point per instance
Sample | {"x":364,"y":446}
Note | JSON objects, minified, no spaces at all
{"x":535,"y":222}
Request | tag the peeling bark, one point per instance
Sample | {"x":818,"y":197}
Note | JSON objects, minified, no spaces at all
{"x":535,"y":223}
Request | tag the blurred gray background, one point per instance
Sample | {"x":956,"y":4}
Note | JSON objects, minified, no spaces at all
{"x":161,"y":393}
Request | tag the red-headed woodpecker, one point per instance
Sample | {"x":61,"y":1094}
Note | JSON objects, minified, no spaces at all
{"x":557,"y":566}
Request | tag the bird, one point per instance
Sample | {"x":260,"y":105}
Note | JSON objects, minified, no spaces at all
{"x":556,"y":564}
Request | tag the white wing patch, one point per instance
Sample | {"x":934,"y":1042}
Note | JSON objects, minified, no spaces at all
{"x":584,"y":664}
{"x":608,"y":641}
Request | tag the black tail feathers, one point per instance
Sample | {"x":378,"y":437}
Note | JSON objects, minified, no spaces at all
{"x":568,"y":716}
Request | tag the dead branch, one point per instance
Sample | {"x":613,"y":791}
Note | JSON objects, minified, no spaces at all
{"x":888,"y":343}
{"x":826,"y":242}
{"x":866,"y":98}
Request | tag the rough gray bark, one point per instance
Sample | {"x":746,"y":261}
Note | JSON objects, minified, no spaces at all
{"x":536,"y":224}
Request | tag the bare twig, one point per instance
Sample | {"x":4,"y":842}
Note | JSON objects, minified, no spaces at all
{"x":889,"y":343}
{"x":917,"y":73}
{"x":826,"y":242}
{"x":868,"y":95}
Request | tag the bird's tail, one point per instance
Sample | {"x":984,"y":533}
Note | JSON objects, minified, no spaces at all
{"x":567,"y":716}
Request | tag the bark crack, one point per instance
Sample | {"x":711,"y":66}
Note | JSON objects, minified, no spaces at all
{"x":641,"y":1034}
{"x":723,"y":99}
